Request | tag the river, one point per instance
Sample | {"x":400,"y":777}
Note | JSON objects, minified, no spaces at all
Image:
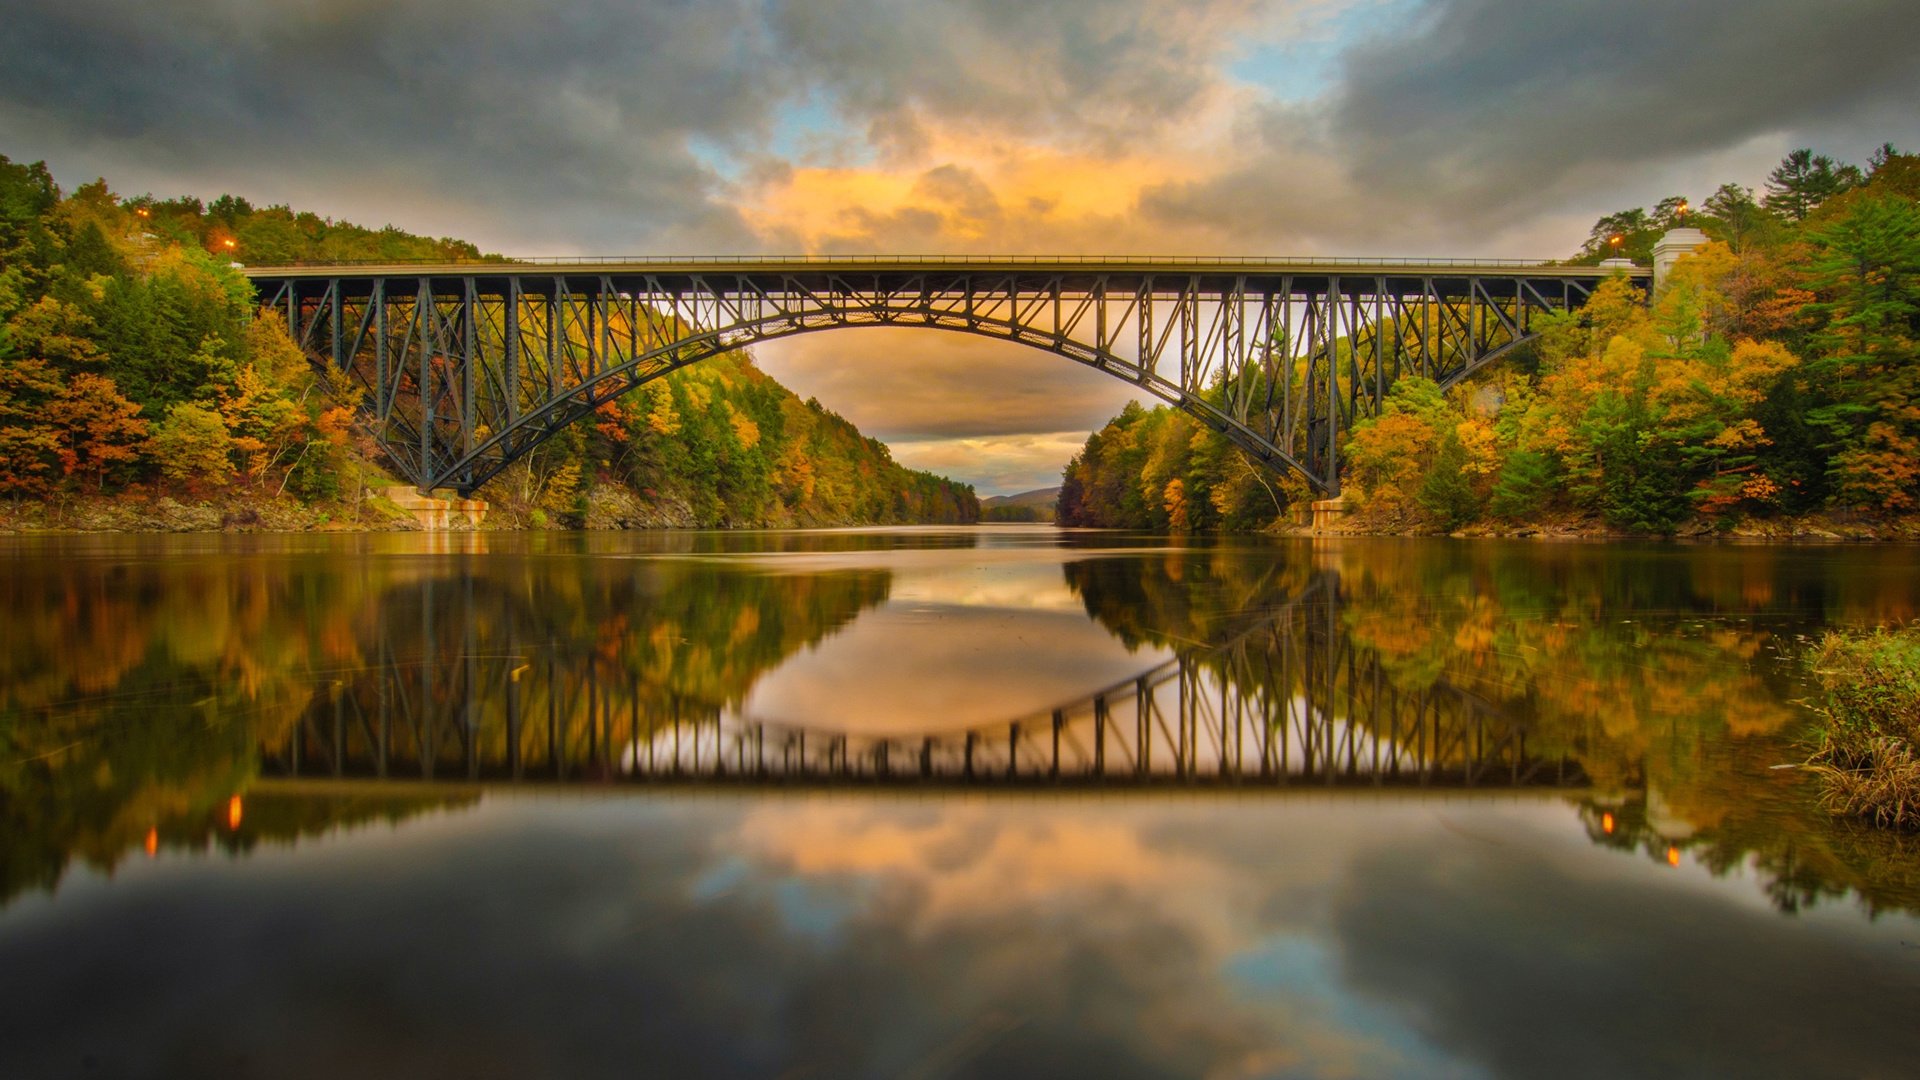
{"x":990,"y":801}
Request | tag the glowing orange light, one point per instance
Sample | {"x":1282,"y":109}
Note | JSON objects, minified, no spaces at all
{"x":233,"y":812}
{"x":1606,"y":824}
{"x":1673,"y":855}
{"x":153,"y":842}
{"x":1616,"y":239}
{"x":228,"y":244}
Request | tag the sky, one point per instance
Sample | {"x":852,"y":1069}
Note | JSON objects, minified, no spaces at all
{"x":1212,"y":127}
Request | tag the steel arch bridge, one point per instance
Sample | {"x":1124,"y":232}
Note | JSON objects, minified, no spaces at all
{"x":466,"y":367}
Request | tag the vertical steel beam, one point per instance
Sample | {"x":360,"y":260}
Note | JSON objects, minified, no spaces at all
{"x":469,"y":318}
{"x":427,"y":318}
{"x":555,"y":338}
{"x":1331,"y":481}
{"x":510,"y":376}
{"x":333,"y":327}
{"x":382,"y":394}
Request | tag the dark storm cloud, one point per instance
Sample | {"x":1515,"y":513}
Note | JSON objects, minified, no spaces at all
{"x":1486,"y":114}
{"x":575,"y":119}
{"x":1093,"y":68}
{"x":602,"y":124}
{"x":1490,"y":99}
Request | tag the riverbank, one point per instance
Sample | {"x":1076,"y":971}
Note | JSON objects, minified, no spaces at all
{"x":611,"y":508}
{"x":607,"y":507}
{"x":1867,"y":752}
{"x":226,"y":512}
{"x":1827,"y":527}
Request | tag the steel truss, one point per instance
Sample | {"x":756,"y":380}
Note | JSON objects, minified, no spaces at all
{"x":463,"y":372}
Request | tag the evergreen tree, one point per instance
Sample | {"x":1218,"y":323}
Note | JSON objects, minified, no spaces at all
{"x":1866,"y":271}
{"x":1803,"y":180}
{"x":1447,"y":493}
{"x":1525,"y":484}
{"x":1731,"y":215}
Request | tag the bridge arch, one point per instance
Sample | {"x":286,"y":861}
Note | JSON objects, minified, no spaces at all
{"x":467,"y":368}
{"x":498,"y":450}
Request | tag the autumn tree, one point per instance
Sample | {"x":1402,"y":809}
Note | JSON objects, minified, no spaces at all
{"x":56,"y":407}
{"x":94,"y":428}
{"x":29,"y":447}
{"x":194,"y":446}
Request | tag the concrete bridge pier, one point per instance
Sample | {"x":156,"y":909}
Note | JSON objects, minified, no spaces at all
{"x":435,"y":513}
{"x":1675,"y":243}
{"x":1329,"y":514}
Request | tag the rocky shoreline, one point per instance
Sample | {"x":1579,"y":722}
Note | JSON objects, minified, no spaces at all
{"x":1814,"y":528}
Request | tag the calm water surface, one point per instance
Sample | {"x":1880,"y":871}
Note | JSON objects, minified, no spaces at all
{"x":923,"y":802}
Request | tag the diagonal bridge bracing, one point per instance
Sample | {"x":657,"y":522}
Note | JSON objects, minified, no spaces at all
{"x":465,"y":368}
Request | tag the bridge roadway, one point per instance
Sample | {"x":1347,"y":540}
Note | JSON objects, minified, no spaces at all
{"x":467,"y":366}
{"x":1171,"y":276}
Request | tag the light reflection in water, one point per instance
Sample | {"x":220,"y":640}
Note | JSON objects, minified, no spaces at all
{"x":767,"y":858}
{"x":1654,"y":681}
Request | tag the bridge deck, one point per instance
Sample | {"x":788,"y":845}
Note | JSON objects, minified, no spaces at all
{"x":672,"y":266}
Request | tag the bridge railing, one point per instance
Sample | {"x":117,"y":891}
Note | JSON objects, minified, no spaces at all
{"x":933,"y":260}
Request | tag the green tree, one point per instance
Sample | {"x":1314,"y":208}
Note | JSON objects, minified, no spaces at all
{"x":1803,"y":180}
{"x":193,"y":445}
{"x":1731,"y":215}
{"x":1524,"y":486}
{"x":1447,"y":492}
{"x":1866,"y":271}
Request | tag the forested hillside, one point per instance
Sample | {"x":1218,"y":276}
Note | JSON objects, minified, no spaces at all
{"x":1775,"y":376}
{"x":136,"y":373}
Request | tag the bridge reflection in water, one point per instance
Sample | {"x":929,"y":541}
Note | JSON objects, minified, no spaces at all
{"x":1284,"y":698}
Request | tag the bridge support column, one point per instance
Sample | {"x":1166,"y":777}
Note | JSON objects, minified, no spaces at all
{"x":1329,"y":514}
{"x":434,"y":513}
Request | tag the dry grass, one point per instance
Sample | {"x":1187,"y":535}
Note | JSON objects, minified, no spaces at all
{"x":1867,"y":753}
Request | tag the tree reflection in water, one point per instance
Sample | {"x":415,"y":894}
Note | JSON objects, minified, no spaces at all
{"x":146,"y":686}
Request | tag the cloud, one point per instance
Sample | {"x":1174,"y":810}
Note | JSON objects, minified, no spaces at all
{"x":1476,"y":122}
{"x":1101,"y":72}
{"x":1000,"y":416}
{"x":908,"y":384}
{"x":510,"y":123}
{"x":1488,"y":104}
{"x":997,"y":465}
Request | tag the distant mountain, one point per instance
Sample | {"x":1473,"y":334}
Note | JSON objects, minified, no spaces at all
{"x":1040,"y":497}
{"x":1028,"y":506}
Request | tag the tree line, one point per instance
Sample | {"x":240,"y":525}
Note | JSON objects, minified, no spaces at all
{"x":135,"y":361}
{"x":1777,"y":373}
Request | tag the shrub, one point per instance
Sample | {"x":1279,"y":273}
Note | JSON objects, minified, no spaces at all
{"x":1865,"y":752}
